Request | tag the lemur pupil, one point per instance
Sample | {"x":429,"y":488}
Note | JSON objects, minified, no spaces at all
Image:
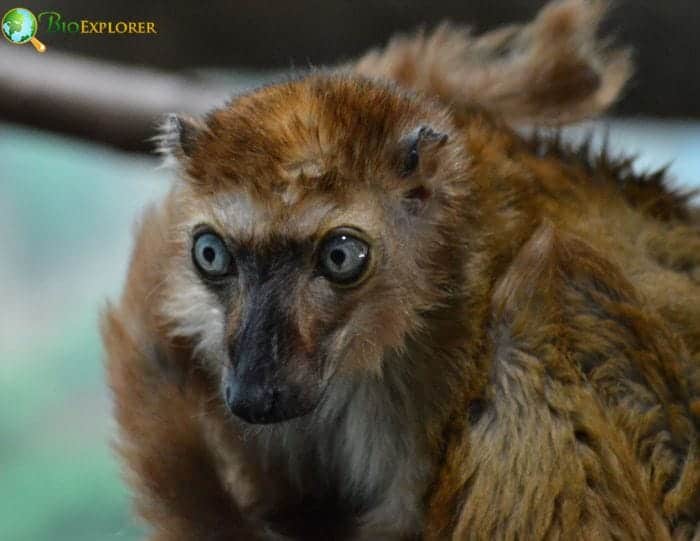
{"x":338,"y":257}
{"x":209,"y":254}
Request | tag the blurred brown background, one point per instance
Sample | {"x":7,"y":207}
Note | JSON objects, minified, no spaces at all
{"x":196,"y":37}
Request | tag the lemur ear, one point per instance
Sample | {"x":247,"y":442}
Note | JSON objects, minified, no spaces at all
{"x":179,"y":136}
{"x":416,"y":162}
{"x":422,"y":141}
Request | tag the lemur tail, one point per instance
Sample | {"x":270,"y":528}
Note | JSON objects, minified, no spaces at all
{"x":553,"y":70}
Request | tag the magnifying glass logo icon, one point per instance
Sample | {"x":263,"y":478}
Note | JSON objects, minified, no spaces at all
{"x":19,"y":26}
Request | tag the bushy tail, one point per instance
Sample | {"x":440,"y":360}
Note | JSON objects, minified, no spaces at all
{"x":553,"y":70}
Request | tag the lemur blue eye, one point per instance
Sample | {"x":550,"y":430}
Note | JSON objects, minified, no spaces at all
{"x":211,"y":256}
{"x":343,"y":258}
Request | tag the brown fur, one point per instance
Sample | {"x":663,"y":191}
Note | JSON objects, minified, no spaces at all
{"x":522,"y":359}
{"x":551,"y":70}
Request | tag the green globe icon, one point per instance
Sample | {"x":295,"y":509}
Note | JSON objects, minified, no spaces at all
{"x":19,"y":26}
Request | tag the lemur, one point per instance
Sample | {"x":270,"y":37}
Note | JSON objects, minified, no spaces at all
{"x":372,"y":306}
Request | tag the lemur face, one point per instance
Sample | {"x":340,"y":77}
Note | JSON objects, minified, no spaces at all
{"x":312,"y":237}
{"x":294,"y":298}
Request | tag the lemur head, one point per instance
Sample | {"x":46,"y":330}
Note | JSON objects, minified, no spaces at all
{"x":316,"y":226}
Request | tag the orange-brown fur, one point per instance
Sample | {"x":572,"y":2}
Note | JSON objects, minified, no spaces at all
{"x":523,"y":359}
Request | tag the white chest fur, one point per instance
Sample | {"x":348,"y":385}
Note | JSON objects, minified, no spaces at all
{"x":365,"y":446}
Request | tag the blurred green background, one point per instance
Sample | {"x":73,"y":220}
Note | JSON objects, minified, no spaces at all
{"x":66,"y":212}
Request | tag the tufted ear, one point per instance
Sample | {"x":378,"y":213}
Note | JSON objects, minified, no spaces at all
{"x":179,"y":136}
{"x":416,"y":161}
{"x":416,"y":150}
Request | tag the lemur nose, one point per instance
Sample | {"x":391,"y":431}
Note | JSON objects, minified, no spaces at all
{"x":254,"y":403}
